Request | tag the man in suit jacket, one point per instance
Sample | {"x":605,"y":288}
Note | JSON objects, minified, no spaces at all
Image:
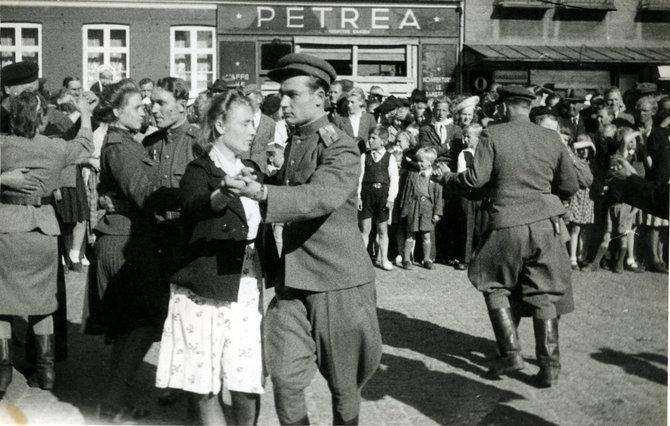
{"x":527,"y":169}
{"x":572,"y":118}
{"x":441,"y":133}
{"x":324,"y":312}
{"x":265,"y":128}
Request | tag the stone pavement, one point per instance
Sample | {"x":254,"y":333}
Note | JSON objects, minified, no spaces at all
{"x":437,"y":338}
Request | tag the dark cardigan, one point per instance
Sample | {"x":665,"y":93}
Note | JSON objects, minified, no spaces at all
{"x":218,"y":239}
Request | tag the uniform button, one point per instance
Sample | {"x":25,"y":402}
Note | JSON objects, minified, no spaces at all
{"x":287,"y":181}
{"x":298,"y":141}
{"x":292,"y":162}
{"x":167,"y":156}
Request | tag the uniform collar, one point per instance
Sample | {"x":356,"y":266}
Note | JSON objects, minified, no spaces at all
{"x":312,"y":127}
{"x":181,"y":128}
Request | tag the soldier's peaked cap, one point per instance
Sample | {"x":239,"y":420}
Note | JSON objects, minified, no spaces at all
{"x":301,"y":64}
{"x":516,"y":91}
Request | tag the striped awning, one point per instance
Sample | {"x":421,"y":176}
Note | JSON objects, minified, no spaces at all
{"x":582,"y":54}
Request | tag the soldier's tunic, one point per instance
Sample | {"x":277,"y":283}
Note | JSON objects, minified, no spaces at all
{"x":324,"y":313}
{"x":172,"y":149}
{"x":527,"y":169}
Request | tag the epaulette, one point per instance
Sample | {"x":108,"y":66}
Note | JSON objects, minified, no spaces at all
{"x":193,"y":130}
{"x":328,"y":134}
{"x":114,"y":137}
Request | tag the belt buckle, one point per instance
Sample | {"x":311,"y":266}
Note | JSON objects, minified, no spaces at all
{"x":377,"y":185}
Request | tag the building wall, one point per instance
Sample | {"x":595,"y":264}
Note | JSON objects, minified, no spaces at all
{"x":483,"y":24}
{"x":149,"y":35}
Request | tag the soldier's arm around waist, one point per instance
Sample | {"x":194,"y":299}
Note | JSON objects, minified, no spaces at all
{"x":565,"y":181}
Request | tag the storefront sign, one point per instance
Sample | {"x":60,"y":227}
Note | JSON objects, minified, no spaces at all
{"x":510,"y":77}
{"x":339,"y":20}
{"x":438,"y":63}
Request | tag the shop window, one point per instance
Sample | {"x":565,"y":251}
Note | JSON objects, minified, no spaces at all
{"x":20,"y":42}
{"x":363,"y":61}
{"x":271,"y":52}
{"x":193,"y":56}
{"x":105,"y":45}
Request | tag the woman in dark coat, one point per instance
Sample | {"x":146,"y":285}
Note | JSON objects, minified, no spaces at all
{"x":212,"y":335}
{"x":29,"y":230}
{"x":128,"y":300}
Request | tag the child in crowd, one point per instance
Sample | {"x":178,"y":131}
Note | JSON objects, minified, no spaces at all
{"x":420,"y":207}
{"x":402,"y":150}
{"x":581,"y":212}
{"x":377,"y":190}
{"x":619,"y":215}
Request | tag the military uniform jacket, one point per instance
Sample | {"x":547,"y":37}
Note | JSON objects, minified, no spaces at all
{"x":527,"y":167}
{"x":317,"y":202}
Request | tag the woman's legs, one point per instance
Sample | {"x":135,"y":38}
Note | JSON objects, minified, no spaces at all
{"x":246,"y":407}
{"x":210,"y":409}
{"x":574,"y":244}
{"x":78,"y":235}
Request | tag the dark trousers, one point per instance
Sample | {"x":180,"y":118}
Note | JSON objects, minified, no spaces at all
{"x":527,"y":260}
{"x":336,"y":332}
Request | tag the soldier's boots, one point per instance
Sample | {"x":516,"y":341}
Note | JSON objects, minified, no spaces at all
{"x":509,"y":348}
{"x":547,"y":352}
{"x":6,"y":365}
{"x":44,"y":376}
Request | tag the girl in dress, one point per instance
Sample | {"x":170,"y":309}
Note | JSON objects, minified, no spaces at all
{"x":212,"y":334}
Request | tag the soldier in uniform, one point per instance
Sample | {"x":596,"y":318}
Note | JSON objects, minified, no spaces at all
{"x":324,"y":312}
{"x":173,"y":146}
{"x":528,"y":170}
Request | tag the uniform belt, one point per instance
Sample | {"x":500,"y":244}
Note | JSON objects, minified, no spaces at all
{"x":375,"y":185}
{"x":171,"y":215}
{"x":25,"y":200}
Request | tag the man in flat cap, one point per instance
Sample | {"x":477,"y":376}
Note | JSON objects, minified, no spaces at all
{"x":527,"y":169}
{"x":323,"y":315}
{"x":265,"y":127}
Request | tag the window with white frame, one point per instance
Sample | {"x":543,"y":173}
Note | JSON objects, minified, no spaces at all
{"x":105,"y":45}
{"x":193,"y":56}
{"x":20,"y":42}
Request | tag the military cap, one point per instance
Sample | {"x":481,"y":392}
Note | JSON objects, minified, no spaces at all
{"x":645,"y":88}
{"x":271,"y":104}
{"x":19,"y":73}
{"x":516,"y":91}
{"x":251,"y":88}
{"x":542,"y":110}
{"x":576,"y":95}
{"x":295,"y":64}
{"x":470,"y":102}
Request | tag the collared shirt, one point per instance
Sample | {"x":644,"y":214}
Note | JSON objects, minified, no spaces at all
{"x":392,"y":170}
{"x":252,"y":212}
{"x":441,"y":129}
{"x":355,"y":121}
{"x":257,"y":119}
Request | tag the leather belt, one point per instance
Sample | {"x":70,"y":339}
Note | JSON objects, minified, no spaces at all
{"x":25,"y":200}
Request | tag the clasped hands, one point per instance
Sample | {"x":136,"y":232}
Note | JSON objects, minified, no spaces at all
{"x":244,"y":183}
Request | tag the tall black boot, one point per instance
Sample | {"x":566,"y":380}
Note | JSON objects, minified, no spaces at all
{"x":44,"y":375}
{"x":6,"y":365}
{"x":546,"y":350}
{"x":509,"y":348}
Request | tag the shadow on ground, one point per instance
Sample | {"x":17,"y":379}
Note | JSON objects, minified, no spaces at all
{"x":640,"y":364}
{"x":445,"y":398}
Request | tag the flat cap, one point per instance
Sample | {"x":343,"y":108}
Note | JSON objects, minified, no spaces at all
{"x":251,"y":88}
{"x":470,"y":102}
{"x":576,"y":95}
{"x":271,"y":104}
{"x":645,"y":88}
{"x":19,"y":73}
{"x":295,"y":64}
{"x":222,"y":85}
{"x":516,"y":91}
{"x":542,"y":110}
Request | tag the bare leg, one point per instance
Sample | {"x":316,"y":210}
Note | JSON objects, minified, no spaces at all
{"x":383,"y":236}
{"x":246,"y":407}
{"x":210,"y":409}
{"x":364,"y":225}
{"x":574,"y":243}
{"x":78,"y":234}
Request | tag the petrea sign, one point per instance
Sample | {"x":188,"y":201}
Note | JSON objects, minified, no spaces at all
{"x":337,"y":20}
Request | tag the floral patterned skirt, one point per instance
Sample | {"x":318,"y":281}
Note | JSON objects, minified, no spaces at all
{"x":208,"y":343}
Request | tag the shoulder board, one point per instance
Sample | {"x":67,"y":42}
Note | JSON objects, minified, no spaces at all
{"x":114,"y":138}
{"x":329,"y":134}
{"x":193,"y":130}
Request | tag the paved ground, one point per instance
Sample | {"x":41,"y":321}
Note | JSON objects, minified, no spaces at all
{"x":437,"y":338}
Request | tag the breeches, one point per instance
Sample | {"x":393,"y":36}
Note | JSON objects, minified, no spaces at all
{"x":334,"y":331}
{"x":528,"y":258}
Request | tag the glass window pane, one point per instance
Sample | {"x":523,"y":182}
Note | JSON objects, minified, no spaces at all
{"x":271,"y":52}
{"x":29,"y":37}
{"x":182,"y":39}
{"x":118,"y":62}
{"x":7,"y":37}
{"x":183,"y":66}
{"x":203,"y":80}
{"x":30,"y":57}
{"x":117,"y":38}
{"x":93,"y":61}
{"x":385,"y":69}
{"x":205,"y":39}
{"x":205,"y":63}
{"x":95,"y":38}
{"x":7,"y":58}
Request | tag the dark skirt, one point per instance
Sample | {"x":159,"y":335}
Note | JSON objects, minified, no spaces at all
{"x":125,"y":288}
{"x":73,"y":206}
{"x":28,"y":273}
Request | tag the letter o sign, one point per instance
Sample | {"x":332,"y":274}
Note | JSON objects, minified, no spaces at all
{"x":480,"y":83}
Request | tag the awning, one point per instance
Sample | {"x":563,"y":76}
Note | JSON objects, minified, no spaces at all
{"x":582,"y":54}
